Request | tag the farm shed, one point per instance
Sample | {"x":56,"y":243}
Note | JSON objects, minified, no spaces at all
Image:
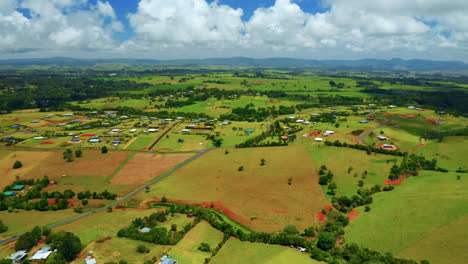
{"x":42,"y":253}
{"x":17,"y":187}
{"x":8,"y":193}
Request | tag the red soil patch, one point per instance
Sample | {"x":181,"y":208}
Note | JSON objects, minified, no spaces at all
{"x":279,"y":212}
{"x":256,"y":82}
{"x":219,"y":177}
{"x":321,"y":217}
{"x":432,"y":121}
{"x":408,"y":116}
{"x":162,"y":149}
{"x":47,"y":143}
{"x":88,"y":135}
{"x":353,"y":215}
{"x":144,"y":167}
{"x":98,"y":203}
{"x":421,"y":145}
{"x":327,"y":208}
{"x":314,"y":134}
{"x":214,"y":205}
{"x":386,"y":113}
{"x":394,"y":182}
{"x":422,"y":110}
{"x":273,"y":101}
{"x":16,"y":119}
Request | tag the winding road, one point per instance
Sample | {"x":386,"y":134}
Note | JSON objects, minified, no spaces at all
{"x":368,"y":132}
{"x":128,"y":196}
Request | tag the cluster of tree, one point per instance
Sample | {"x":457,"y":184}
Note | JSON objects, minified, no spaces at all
{"x":158,"y":235}
{"x":275,"y":131}
{"x":3,"y":227}
{"x":103,"y":195}
{"x":52,"y":91}
{"x":326,"y":178}
{"x":66,"y":244}
{"x":368,"y":149}
{"x":215,"y":139}
{"x":129,"y":111}
{"x":325,"y":249}
{"x":339,"y":85}
{"x":411,"y":164}
{"x":250,"y":113}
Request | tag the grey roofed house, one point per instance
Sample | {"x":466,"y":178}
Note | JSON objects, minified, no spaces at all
{"x":145,"y":230}
{"x":42,"y":253}
{"x":18,"y":256}
{"x":166,"y":260}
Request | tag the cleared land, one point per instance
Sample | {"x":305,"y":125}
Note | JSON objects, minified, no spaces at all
{"x":339,"y":160}
{"x":186,"y":251}
{"x":238,"y":252}
{"x":421,"y":215}
{"x":144,"y":167}
{"x":259,"y":196}
{"x":36,"y":164}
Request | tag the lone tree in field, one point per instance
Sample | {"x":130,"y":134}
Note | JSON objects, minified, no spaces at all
{"x":68,"y":155}
{"x":290,"y":180}
{"x":17,"y":164}
{"x":104,"y":150}
{"x":241,"y":168}
{"x":262,"y":162}
{"x":78,"y":153}
{"x":350,"y":169}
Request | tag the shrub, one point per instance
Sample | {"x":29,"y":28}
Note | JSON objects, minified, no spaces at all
{"x":142,"y":249}
{"x":326,"y":241}
{"x":205,"y":247}
{"x":17,"y":164}
{"x":290,"y":229}
{"x":104,"y":150}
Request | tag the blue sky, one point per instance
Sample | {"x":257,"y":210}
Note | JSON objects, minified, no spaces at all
{"x":169,"y":29}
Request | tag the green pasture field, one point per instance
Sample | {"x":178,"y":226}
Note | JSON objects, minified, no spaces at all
{"x":339,"y":160}
{"x":214,"y":177}
{"x":186,"y":251}
{"x":91,"y":183}
{"x":143,"y":140}
{"x":104,"y":227}
{"x":231,"y":137}
{"x":418,"y":219}
{"x":22,"y":221}
{"x":238,"y":252}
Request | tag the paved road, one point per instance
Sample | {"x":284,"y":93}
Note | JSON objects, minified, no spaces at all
{"x":163,"y":134}
{"x":130,"y":195}
{"x":368,"y":132}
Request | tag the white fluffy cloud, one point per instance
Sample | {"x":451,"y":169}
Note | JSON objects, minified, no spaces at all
{"x":57,"y":25}
{"x":435,"y":29}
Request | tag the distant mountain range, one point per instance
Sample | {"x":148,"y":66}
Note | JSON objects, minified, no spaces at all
{"x":365,"y":64}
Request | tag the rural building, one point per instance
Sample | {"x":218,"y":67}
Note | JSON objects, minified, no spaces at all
{"x":185,"y":130}
{"x":145,"y":230}
{"x":152,"y":130}
{"x":133,"y":130}
{"x":284,"y":137}
{"x":180,"y":140}
{"x":17,"y":187}
{"x":370,"y":118}
{"x":306,"y":123}
{"x":391,"y":106}
{"x":364,"y":121}
{"x":34,"y":121}
{"x":388,"y":146}
{"x":18,"y":256}
{"x":317,"y":139}
{"x":166,"y":260}
{"x":94,"y":140}
{"x":299,"y":121}
{"x":8,"y":193}
{"x":291,"y":117}
{"x":90,"y":259}
{"x":329,"y":132}
{"x":38,"y":138}
{"x":382,"y":137}
{"x":41,"y":254}
{"x":75,"y":140}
